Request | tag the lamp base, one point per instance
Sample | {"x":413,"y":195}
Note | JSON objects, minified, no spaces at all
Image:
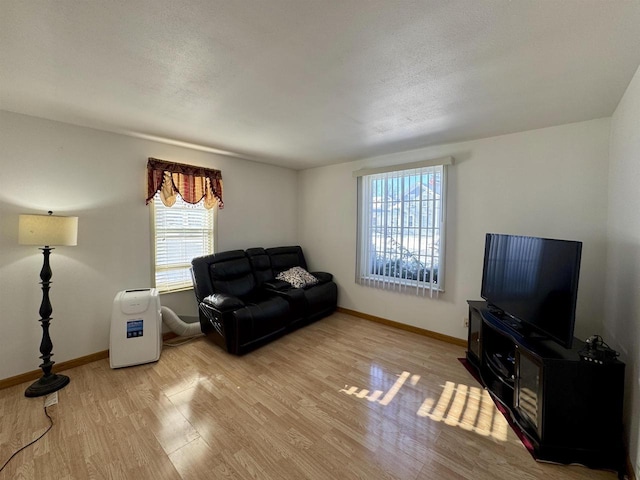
{"x":47,"y":384}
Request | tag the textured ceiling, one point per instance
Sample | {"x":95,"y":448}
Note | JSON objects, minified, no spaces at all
{"x":305,"y":83}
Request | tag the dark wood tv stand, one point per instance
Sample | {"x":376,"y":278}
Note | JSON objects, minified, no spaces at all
{"x":570,"y":409}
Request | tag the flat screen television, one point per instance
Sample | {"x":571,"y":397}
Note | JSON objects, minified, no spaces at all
{"x":533,"y":281}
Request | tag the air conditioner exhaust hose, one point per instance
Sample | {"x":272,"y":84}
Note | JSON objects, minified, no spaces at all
{"x":179,"y":326}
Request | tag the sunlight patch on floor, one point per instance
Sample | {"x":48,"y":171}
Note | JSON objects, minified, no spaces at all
{"x":469,"y":408}
{"x":459,"y":405}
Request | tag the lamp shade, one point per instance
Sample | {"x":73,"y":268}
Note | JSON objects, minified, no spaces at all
{"x":47,"y":230}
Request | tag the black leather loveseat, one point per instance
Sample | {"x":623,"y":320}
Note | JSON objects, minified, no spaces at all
{"x":243,"y":305}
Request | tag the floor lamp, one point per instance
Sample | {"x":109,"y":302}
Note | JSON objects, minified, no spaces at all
{"x":46,"y":231}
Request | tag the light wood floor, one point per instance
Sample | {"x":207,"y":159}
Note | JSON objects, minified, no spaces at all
{"x":340,"y":399}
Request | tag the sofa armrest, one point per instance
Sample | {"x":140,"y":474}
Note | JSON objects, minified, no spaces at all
{"x":220,"y":324}
{"x":223,"y":302}
{"x":323,"y":277}
{"x":277,"y":285}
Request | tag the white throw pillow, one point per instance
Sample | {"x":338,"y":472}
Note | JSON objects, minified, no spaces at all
{"x":298,"y":277}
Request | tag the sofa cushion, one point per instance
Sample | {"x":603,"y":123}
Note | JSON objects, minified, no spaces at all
{"x":258,"y":320}
{"x":233,"y":277}
{"x":283,"y":258}
{"x":261,"y":264}
{"x":298,"y":277}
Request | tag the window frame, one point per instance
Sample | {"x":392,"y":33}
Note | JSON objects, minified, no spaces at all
{"x":213,"y":221}
{"x":366,"y":220}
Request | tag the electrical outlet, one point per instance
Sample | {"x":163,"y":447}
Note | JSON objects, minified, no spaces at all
{"x":51,"y":399}
{"x":465,"y":322}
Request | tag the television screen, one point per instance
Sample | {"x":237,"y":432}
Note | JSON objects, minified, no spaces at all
{"x":535,"y":281}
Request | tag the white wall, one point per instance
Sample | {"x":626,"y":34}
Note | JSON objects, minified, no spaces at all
{"x":622,"y":314}
{"x":550,"y":182}
{"x":101,"y":178}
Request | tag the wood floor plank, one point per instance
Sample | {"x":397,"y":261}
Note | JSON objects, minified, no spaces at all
{"x":343,"y":398}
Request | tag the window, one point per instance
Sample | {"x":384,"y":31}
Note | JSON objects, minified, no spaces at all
{"x":401,"y":217}
{"x":180,"y":233}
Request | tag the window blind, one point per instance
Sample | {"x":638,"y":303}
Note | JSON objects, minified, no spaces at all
{"x":181,"y":233}
{"x":401,"y":229}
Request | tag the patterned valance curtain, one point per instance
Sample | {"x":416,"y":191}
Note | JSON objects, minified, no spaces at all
{"x":192,"y":183}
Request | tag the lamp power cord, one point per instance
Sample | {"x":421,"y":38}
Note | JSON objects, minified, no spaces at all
{"x":30,"y":443}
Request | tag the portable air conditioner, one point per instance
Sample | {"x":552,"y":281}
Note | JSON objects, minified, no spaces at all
{"x":136,"y":328}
